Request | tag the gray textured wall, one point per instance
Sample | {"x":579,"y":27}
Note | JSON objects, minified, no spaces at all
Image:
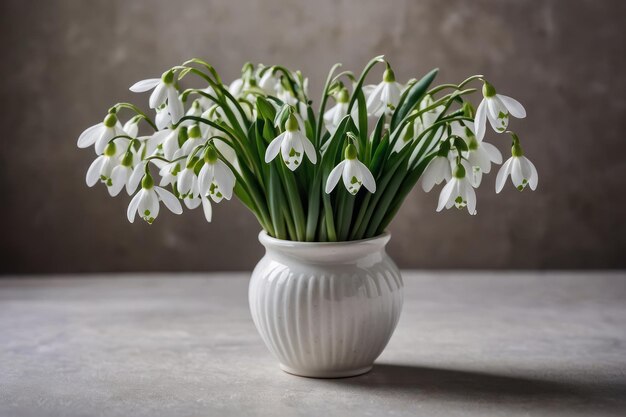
{"x":64,"y":62}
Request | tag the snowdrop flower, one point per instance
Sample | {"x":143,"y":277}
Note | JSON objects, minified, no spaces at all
{"x":428,"y":118}
{"x":102,"y":167}
{"x":101,"y":134}
{"x":406,"y":136}
{"x":131,"y":127}
{"x":162,"y":119}
{"x":194,"y":110}
{"x":164,"y":89}
{"x":333,"y":116}
{"x":146,"y":201}
{"x":292,"y":143}
{"x":521,"y":170}
{"x":187,"y":181}
{"x":385,"y":96}
{"x":458,"y":192}
{"x":172,"y":141}
{"x":353,"y":172}
{"x":268,"y":82}
{"x":168,"y":172}
{"x":480,"y":154}
{"x":195,"y":139}
{"x":215,"y":178}
{"x":438,"y":169}
{"x":496,"y":108}
{"x":120,"y":176}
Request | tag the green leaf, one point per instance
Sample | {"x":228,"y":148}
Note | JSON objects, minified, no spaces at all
{"x":266,"y":110}
{"x":415,"y":94}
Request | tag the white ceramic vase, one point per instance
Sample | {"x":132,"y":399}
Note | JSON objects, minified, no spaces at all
{"x":326,"y":310}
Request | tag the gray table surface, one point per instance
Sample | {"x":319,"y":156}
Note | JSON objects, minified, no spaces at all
{"x":484,"y":344}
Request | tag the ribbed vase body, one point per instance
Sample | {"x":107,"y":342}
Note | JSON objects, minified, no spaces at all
{"x":326,"y":310}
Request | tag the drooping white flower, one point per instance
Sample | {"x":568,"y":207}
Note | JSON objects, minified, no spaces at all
{"x":428,"y":118}
{"x":215,"y":178}
{"x":168,"y":172}
{"x":480,"y":154}
{"x":335,"y":114}
{"x":172,"y":140}
{"x":146,"y":201}
{"x":292,"y":144}
{"x":121,"y":174}
{"x":523,"y":172}
{"x":385,"y":96}
{"x":162,"y":119}
{"x":268,"y":82}
{"x":101,"y":133}
{"x":194,"y":139}
{"x":458,"y":192}
{"x":187,"y":181}
{"x":164,"y":89}
{"x":353,"y":172}
{"x":195,"y":110}
{"x":496,"y":108}
{"x":437,"y":170}
{"x":102,"y":167}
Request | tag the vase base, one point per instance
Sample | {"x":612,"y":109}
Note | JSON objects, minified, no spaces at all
{"x":326,"y":374}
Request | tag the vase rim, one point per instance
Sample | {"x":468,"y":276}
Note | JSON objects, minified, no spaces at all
{"x":264,"y":237}
{"x":325,"y":252}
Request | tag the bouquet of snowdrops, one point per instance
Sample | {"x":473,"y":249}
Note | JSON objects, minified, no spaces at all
{"x":337,"y":174}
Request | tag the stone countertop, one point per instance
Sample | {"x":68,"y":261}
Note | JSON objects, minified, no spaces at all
{"x":483,"y":344}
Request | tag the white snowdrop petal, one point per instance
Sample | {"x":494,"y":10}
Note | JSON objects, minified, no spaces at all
{"x":470,"y":197}
{"x":89,"y":136}
{"x":274,"y":148}
{"x":204,"y":179}
{"x":513,"y":106}
{"x":493,"y":152}
{"x":135,"y":178}
{"x":429,"y":176}
{"x":158,"y":96}
{"x":368,"y":179}
{"x":207,"y":209}
{"x":169,"y":199}
{"x":333,"y":177}
{"x":504,"y":172}
{"x":144,"y":85}
{"x":119,"y":176}
{"x":153,"y":204}
{"x":106,"y":134}
{"x":309,"y":149}
{"x":516,"y":172}
{"x":480,"y":120}
{"x":132,"y":207}
{"x":174,"y":105}
{"x":93,"y":173}
{"x":446,"y":193}
{"x":534,"y":176}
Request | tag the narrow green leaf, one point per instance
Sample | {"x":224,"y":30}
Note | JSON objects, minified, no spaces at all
{"x":415,"y":94}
